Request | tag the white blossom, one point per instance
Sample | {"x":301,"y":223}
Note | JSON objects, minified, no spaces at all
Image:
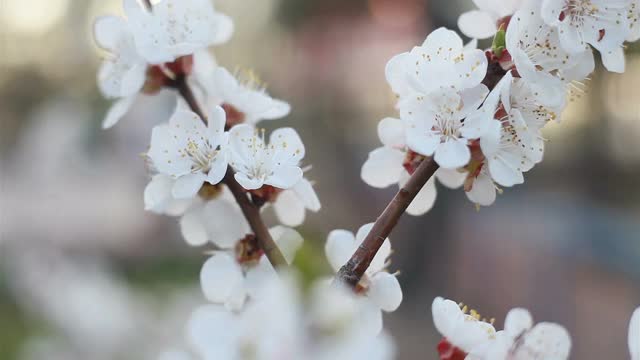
{"x":218,"y":220}
{"x":176,"y":28}
{"x":603,"y":24}
{"x":522,"y":340}
{"x":461,"y":329}
{"x":212,"y":216}
{"x":158,"y":198}
{"x":442,"y":61}
{"x":482,"y":23}
{"x":258,"y":163}
{"x":189,"y":151}
{"x":291,"y":205}
{"x":377,"y":287}
{"x":514,"y":143}
{"x":385,"y":166}
{"x":634,"y":335}
{"x":279,"y":325}
{"x":483,"y":191}
{"x":123,"y":71}
{"x":437,"y":124}
{"x":540,"y":59}
{"x":439,"y":84}
{"x":235,"y":272}
{"x":243,"y":96}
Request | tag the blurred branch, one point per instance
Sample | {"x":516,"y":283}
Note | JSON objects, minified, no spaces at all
{"x":351,"y":273}
{"x":250,"y":210}
{"x":148,"y":5}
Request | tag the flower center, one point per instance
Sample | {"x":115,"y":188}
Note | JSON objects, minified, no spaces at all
{"x":362,"y":287}
{"x":411,"y":161}
{"x":209,"y":192}
{"x":265,"y":194}
{"x":201,"y":154}
{"x":248,"y":251}
{"x":250,"y":79}
{"x":578,"y":10}
{"x":448,"y":351}
{"x":447,"y":125}
{"x":260,"y":167}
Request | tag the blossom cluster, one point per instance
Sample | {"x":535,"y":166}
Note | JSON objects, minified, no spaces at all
{"x":479,"y":114}
{"x":191,"y":154}
{"x":467,"y":335}
{"x":193,"y":157}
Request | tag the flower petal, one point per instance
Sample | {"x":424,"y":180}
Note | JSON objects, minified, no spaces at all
{"x":614,"y":60}
{"x":518,"y":321}
{"x":277,"y":110}
{"x":307,"y":195}
{"x":224,"y":29}
{"x":391,"y":132}
{"x":477,"y":24}
{"x":213,"y":330}
{"x":383,"y":167}
{"x":396,"y":74}
{"x":108,"y":31}
{"x":192,"y":227}
{"x":248,"y":183}
{"x":220,"y":276}
{"x":453,"y":154}
{"x":446,"y":316}
{"x":546,"y":341}
{"x":385,"y":291}
{"x":224,"y":222}
{"x":216,"y":122}
{"x":158,"y":198}
{"x":289,"y":209}
{"x":288,"y":241}
{"x":290,"y":147}
{"x":483,"y":191}
{"x":117,"y":111}
{"x":426,"y":198}
{"x":187,"y":186}
{"x":634,"y":335}
{"x":284,"y":177}
{"x":339,"y":247}
{"x":451,"y":178}
{"x":164,"y":153}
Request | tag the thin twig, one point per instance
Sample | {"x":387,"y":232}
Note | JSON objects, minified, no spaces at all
{"x":250,"y":210}
{"x":187,"y":94}
{"x":351,"y":273}
{"x":252,"y":214}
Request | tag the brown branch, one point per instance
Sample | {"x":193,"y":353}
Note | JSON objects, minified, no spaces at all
{"x":351,"y":273}
{"x":252,"y":214}
{"x":250,"y":210}
{"x":185,"y":91}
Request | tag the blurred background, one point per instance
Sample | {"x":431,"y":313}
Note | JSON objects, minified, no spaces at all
{"x":85,"y":273}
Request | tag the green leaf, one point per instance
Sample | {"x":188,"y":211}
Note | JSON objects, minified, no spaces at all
{"x":499,"y":42}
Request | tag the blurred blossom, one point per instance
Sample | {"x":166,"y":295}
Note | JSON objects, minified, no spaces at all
{"x":37,"y":201}
{"x":94,"y":313}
